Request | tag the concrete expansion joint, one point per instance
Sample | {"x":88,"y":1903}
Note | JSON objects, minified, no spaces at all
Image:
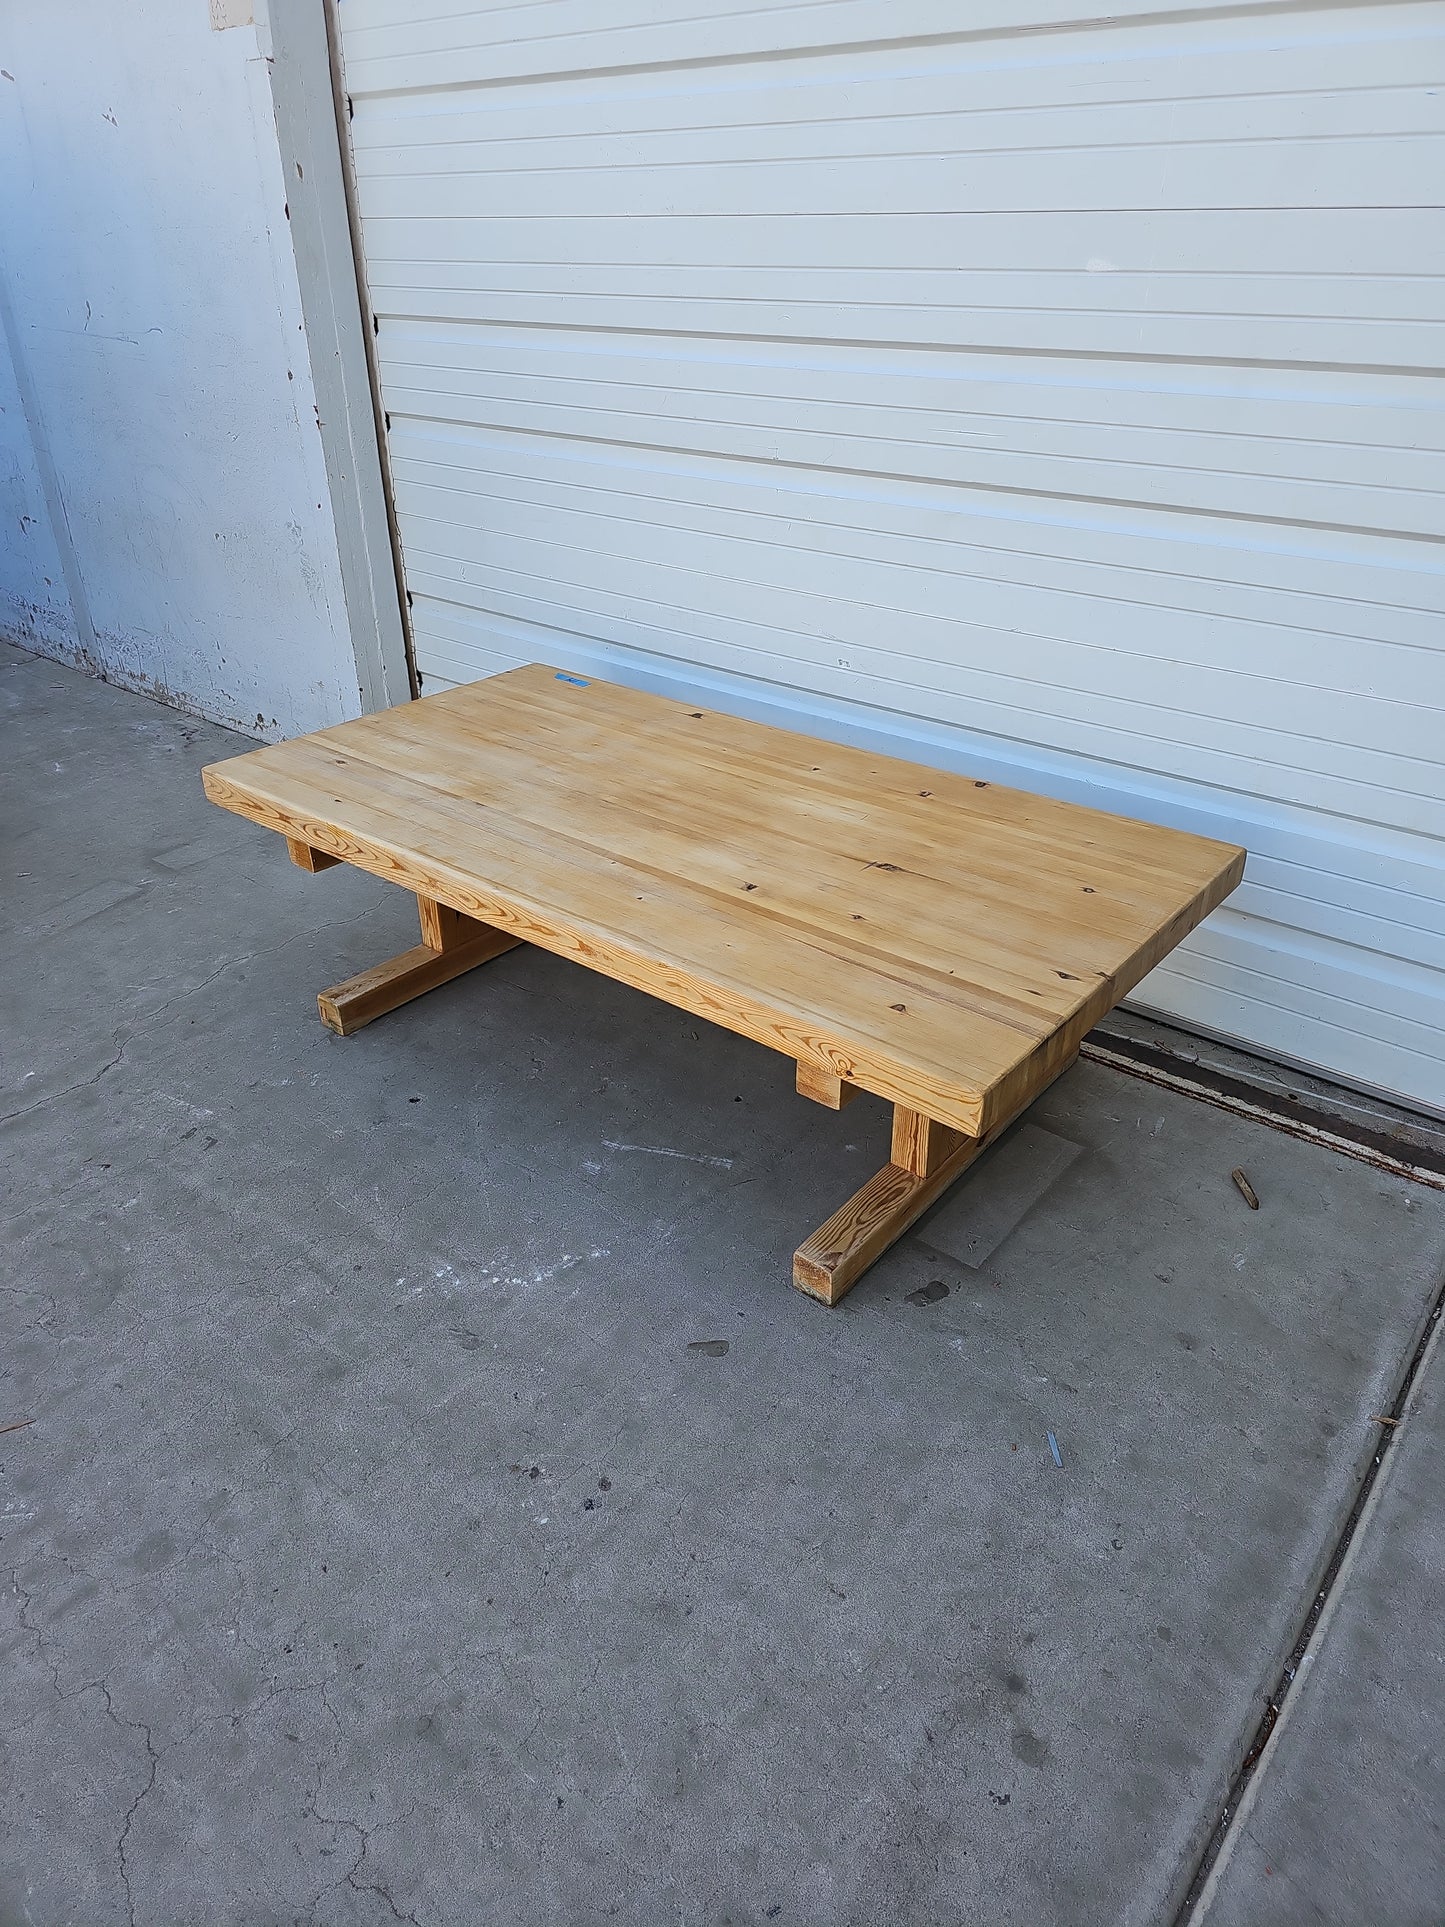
{"x":1233,"y":1814}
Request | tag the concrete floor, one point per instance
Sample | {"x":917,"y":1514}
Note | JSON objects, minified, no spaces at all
{"x":381,"y":1547}
{"x":1368,"y":1719}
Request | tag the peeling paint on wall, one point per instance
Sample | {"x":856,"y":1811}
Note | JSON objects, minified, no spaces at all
{"x":165,"y":518}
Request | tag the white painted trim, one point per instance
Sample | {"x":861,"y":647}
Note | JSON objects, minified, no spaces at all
{"x":293,"y":41}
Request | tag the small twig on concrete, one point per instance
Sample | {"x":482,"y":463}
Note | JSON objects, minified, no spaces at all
{"x":1245,"y":1188}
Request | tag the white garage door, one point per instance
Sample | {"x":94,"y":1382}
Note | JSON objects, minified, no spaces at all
{"x":1052,"y":397}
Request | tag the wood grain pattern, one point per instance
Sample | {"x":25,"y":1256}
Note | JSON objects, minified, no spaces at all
{"x":831,"y":1262}
{"x":920,"y":1144}
{"x":305,"y":858}
{"x":443,"y":928}
{"x":942,"y":942}
{"x":825,"y":1088}
{"x":348,"y":1007}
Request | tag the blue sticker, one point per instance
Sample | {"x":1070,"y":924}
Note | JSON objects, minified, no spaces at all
{"x":579,"y":682}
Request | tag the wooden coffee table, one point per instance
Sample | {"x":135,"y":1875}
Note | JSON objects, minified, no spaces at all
{"x":940,"y":941}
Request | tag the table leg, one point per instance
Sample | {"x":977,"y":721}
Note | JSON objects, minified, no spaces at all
{"x":451,"y":944}
{"x":306,"y":857}
{"x":825,"y":1087}
{"x":925,"y":1159}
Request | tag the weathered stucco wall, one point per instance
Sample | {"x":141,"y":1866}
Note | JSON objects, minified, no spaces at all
{"x":165,"y":518}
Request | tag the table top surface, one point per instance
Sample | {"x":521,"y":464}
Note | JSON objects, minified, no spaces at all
{"x":939,"y":940}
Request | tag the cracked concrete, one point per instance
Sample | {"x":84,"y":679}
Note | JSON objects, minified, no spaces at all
{"x":379,"y":1550}
{"x":131,"y":1811}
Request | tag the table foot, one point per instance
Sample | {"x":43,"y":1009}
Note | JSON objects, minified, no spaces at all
{"x":451,"y":945}
{"x":926,"y":1158}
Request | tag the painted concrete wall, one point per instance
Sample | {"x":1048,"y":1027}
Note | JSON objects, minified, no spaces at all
{"x":165,"y":518}
{"x":34,"y":599}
